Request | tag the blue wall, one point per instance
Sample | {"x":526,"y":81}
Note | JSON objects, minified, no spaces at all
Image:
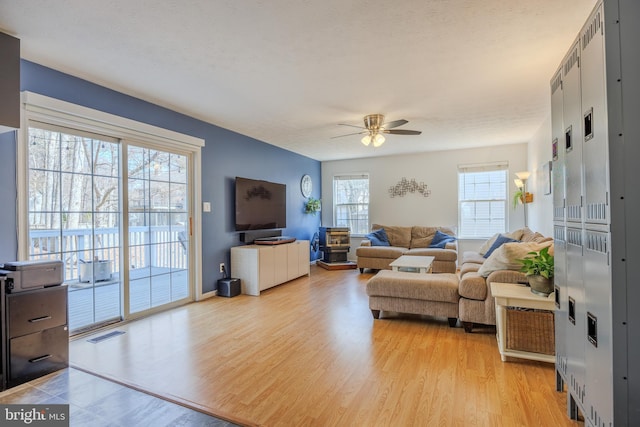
{"x":226,"y":155}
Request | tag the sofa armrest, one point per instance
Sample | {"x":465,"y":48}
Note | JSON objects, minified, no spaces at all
{"x":365,"y":242}
{"x":452,"y":245}
{"x":507,"y":276}
{"x":475,"y":287}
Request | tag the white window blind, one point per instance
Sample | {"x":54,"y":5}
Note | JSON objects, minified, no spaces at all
{"x":482,"y":199}
{"x":351,"y":202}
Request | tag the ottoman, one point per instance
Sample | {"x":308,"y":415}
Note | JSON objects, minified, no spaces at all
{"x":404,"y":292}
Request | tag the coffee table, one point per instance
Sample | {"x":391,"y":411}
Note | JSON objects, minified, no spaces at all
{"x":410,"y":263}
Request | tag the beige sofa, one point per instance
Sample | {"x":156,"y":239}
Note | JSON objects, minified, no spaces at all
{"x":411,"y":240}
{"x":476,"y":305}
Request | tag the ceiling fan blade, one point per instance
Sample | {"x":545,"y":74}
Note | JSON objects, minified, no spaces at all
{"x":349,"y":134}
{"x":402,"y":132}
{"x":353,"y":126}
{"x":395,"y":124}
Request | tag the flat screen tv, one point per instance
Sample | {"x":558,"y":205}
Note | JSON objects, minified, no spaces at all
{"x":260,"y":205}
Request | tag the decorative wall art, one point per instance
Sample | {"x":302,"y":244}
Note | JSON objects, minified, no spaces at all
{"x":405,"y":186}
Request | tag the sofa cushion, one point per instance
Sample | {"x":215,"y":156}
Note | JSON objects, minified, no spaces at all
{"x":473,"y":286}
{"x":421,"y":237}
{"x":439,"y":254}
{"x":388,"y":252}
{"x":516,"y":234}
{"x":398,"y":236}
{"x":506,"y":256}
{"x":378,"y":238}
{"x":472,"y":257}
{"x":501,"y":240}
{"x":440,"y":240}
{"x":469,"y":267}
{"x":530,"y":236}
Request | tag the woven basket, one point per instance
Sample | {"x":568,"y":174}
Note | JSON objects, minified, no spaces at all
{"x":530,"y":330}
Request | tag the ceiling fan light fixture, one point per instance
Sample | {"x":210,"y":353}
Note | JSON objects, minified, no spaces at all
{"x":378,"y":140}
{"x":375,"y":127}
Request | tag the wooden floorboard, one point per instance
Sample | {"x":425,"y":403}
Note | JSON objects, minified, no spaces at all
{"x":310,"y":353}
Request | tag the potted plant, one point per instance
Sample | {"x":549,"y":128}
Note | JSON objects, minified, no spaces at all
{"x":312,"y":206}
{"x":538,"y":267}
{"x":521,"y":196}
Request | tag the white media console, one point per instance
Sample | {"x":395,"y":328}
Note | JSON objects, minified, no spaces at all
{"x":261,"y":267}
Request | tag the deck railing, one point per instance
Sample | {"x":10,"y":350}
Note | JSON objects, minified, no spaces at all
{"x":155,"y":246}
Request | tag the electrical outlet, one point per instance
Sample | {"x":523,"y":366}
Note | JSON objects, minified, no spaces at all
{"x":222,"y":267}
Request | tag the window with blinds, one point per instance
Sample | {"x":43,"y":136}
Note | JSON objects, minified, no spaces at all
{"x":351,"y":202}
{"x":482,"y":200}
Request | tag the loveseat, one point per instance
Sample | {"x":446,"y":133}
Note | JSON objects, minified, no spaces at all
{"x":410,"y":240}
{"x":476,"y":305}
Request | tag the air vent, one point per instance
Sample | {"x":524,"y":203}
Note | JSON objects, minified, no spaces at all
{"x":592,"y":30}
{"x":559,"y":233}
{"x":596,"y":242}
{"x":571,"y":61}
{"x":558,"y":213}
{"x":574,"y":237}
{"x":556,"y":83}
{"x":574,"y":213}
{"x":596,"y":212}
{"x":101,"y":338}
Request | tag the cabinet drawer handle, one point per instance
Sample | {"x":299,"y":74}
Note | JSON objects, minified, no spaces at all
{"x":38,"y":359}
{"x":39,"y":319}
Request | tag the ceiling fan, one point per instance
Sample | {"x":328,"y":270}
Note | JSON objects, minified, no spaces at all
{"x":375,"y":126}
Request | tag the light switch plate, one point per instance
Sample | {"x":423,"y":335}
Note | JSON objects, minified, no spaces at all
{"x":206,"y":206}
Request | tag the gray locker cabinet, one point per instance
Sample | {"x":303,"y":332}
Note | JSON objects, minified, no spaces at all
{"x":623,"y":110}
{"x":572,"y":118}
{"x":557,"y":148}
{"x":594,"y":121}
{"x":598,"y":353}
{"x":562,"y":301}
{"x":602,"y":208}
{"x":576,"y":316}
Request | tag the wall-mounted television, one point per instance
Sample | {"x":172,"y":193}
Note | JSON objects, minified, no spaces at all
{"x":260,"y":205}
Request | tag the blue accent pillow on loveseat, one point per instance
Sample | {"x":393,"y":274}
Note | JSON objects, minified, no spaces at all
{"x":441,"y":239}
{"x":378,"y":238}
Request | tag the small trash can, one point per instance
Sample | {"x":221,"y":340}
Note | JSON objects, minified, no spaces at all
{"x":228,"y":287}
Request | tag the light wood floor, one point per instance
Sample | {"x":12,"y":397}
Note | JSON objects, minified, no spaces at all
{"x":309,"y":353}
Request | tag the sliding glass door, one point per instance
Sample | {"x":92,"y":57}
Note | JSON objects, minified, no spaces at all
{"x":123,"y":237}
{"x":158,"y":228}
{"x":74,"y":216}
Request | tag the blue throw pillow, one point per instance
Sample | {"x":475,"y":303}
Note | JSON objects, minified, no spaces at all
{"x":501,"y":240}
{"x":440,"y":240}
{"x":378,"y":238}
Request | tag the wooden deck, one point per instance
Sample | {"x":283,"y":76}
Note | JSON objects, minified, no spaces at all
{"x":149,"y":287}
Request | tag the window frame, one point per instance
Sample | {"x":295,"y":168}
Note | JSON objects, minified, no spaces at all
{"x":483,"y":168}
{"x":346,"y":177}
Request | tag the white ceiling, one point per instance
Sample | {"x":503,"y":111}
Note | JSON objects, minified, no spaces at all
{"x":465,"y":72}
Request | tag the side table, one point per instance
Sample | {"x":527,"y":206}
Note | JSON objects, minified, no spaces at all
{"x":516,"y":295}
